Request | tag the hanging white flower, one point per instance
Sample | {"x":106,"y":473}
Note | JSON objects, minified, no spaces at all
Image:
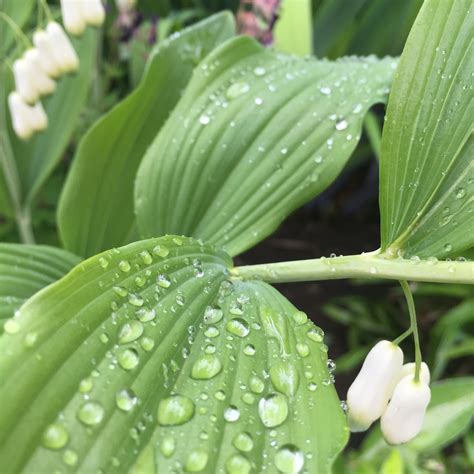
{"x":403,"y":418}
{"x":73,"y":17}
{"x":20,"y":114}
{"x":371,"y":390}
{"x":46,"y":53}
{"x":93,"y":12}
{"x":38,"y":117}
{"x":64,"y":52}
{"x":23,"y":74}
{"x":40,"y":79}
{"x":409,"y":369}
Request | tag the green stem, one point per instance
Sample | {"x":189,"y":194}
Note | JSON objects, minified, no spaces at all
{"x":374,"y":132}
{"x":414,"y":327}
{"x":16,"y":29}
{"x":43,"y":6}
{"x":365,"y":265}
{"x":403,"y":336}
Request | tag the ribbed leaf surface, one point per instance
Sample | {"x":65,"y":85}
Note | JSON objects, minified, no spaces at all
{"x":255,"y":135}
{"x":96,"y":206}
{"x":427,"y":184}
{"x":26,"y":269}
{"x":149,"y":357}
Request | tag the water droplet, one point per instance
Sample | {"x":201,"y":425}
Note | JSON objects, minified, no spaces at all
{"x":258,"y":101}
{"x":103,"y":262}
{"x":147,"y":259}
{"x":341,"y":125}
{"x":91,"y":413}
{"x":125,"y":399}
{"x":312,"y":387}
{"x":237,"y":89}
{"x":300,"y":318}
{"x":238,"y":464}
{"x":161,"y":251}
{"x":231,"y":414}
{"x":196,"y":461}
{"x":147,"y":343}
{"x":285,"y":377}
{"x":289,"y":459}
{"x":55,"y":436}
{"x":259,"y":71}
{"x":128,"y":359}
{"x":284,"y":150}
{"x":175,"y":410}
{"x":243,"y":442}
{"x":145,"y":315}
{"x":206,"y":367}
{"x":86,"y":385}
{"x":325,"y":90}
{"x":204,"y":119}
{"x":168,"y":446}
{"x":212,"y":315}
{"x":220,"y":395}
{"x":163,"y":281}
{"x":315,"y":334}
{"x":238,"y":327}
{"x":135,"y":300}
{"x":302,"y":349}
{"x":130,"y":331}
{"x":11,"y":326}
{"x":460,"y":193}
{"x":70,"y":457}
{"x":273,"y":410}
{"x":30,"y":339}
{"x":249,"y":350}
{"x":124,"y":266}
{"x":256,"y":384}
{"x":120,"y":291}
{"x":448,"y":247}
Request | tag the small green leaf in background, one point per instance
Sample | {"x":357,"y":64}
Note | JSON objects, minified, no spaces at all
{"x":148,"y":357}
{"x":37,"y":158}
{"x":426,"y":174}
{"x":96,"y":206}
{"x":255,"y":135}
{"x":26,"y":269}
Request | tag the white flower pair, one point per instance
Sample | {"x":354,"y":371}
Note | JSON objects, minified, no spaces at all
{"x":77,"y":14}
{"x":34,"y":74}
{"x":386,"y":389}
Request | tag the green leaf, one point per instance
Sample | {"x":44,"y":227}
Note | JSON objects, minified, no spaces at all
{"x":148,"y":357}
{"x":37,"y":158}
{"x":426,"y":165}
{"x":96,"y":206}
{"x":26,"y":269}
{"x":19,"y":12}
{"x":255,"y":135}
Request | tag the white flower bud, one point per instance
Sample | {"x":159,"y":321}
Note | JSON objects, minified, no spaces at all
{"x":43,"y":83}
{"x":64,"y":52}
{"x":93,"y":12}
{"x":73,"y":17}
{"x":371,"y":390}
{"x":125,"y":5}
{"x":20,"y":113}
{"x":403,"y":418}
{"x":38,"y":117}
{"x":409,"y":369}
{"x":46,"y":52}
{"x":23,"y":74}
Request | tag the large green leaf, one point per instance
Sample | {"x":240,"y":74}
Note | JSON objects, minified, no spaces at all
{"x":19,"y":12}
{"x":38,"y":157}
{"x":96,"y":207}
{"x":148,"y":356}
{"x":426,"y":182}
{"x":255,"y":135}
{"x":26,"y":269}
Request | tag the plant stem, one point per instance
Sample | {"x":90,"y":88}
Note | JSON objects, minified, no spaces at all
{"x":374,"y":133}
{"x":16,"y":29}
{"x":414,"y":327}
{"x":403,"y":336}
{"x":366,"y":265}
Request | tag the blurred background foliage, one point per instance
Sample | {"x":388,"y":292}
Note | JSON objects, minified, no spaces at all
{"x":355,"y":314}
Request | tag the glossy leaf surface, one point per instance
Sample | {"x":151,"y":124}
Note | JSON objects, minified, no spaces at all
{"x":426,"y":176}
{"x":26,"y":269}
{"x":255,"y":136}
{"x":149,"y":357}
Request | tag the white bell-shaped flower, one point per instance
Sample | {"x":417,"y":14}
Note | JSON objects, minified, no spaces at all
{"x":403,"y":418}
{"x":64,"y":52}
{"x":46,"y":53}
{"x":409,"y":369}
{"x":38,"y":117}
{"x":73,"y":17}
{"x":43,"y":83}
{"x":24,"y":85}
{"x":20,"y":114}
{"x":371,"y":390}
{"x":93,"y":12}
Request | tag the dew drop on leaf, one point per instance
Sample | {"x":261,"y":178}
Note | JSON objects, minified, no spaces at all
{"x":124,"y":266}
{"x":238,"y":464}
{"x":212,"y":315}
{"x":70,"y":457}
{"x":238,"y":327}
{"x":55,"y":436}
{"x":161,"y":251}
{"x":196,"y":461}
{"x":315,"y":334}
{"x":91,"y":413}
{"x":128,"y":359}
{"x":168,"y":446}
{"x":289,"y":459}
{"x":231,"y":414}
{"x":145,"y":315}
{"x":237,"y":89}
{"x":11,"y":326}
{"x":175,"y":410}
{"x":130,"y":331}
{"x":273,"y":410}
{"x":206,"y":367}
{"x":285,"y":377}
{"x":125,"y":399}
{"x":243,"y":442}
{"x":300,"y":317}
